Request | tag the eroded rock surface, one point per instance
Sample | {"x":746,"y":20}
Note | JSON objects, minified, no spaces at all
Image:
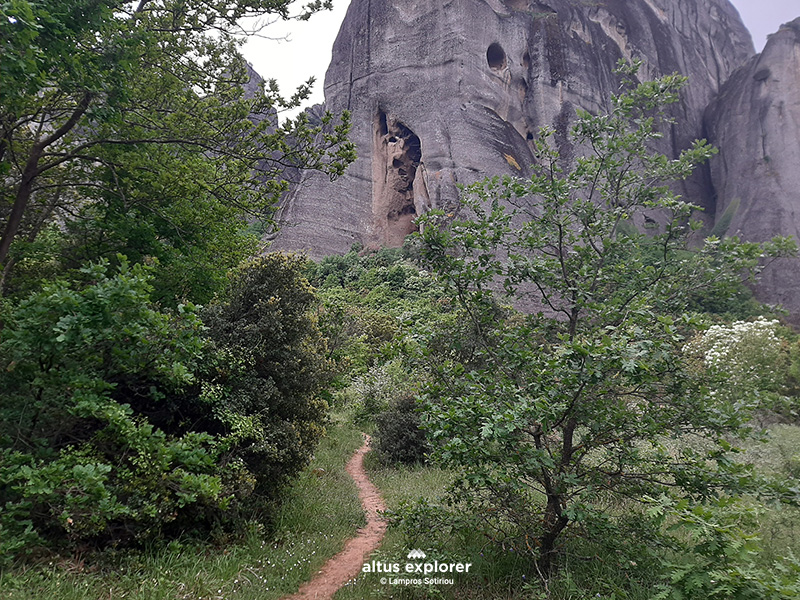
{"x":444,"y":92}
{"x":755,"y":123}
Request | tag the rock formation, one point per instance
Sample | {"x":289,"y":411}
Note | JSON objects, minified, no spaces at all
{"x":755,"y":123}
{"x":444,"y":92}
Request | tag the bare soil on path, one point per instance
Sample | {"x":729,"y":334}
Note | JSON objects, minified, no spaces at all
{"x":347,"y":564}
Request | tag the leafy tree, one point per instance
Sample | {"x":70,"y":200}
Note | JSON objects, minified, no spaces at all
{"x":588,"y":396}
{"x":166,"y":218}
{"x":271,"y":368}
{"x":128,"y":110}
{"x":122,"y":422}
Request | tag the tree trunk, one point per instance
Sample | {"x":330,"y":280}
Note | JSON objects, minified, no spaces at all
{"x":20,"y":202}
{"x":31,"y":172}
{"x":554,"y":523}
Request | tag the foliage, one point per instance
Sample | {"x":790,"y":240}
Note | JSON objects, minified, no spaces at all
{"x":135,"y":133}
{"x":721,"y":558}
{"x":375,"y":391}
{"x":574,"y":403}
{"x":356,"y":333}
{"x":84,"y":370}
{"x":743,"y":349}
{"x":167,"y":218}
{"x":271,"y":367}
{"x":399,"y":436}
{"x":320,"y":513}
{"x":376,"y":307}
{"x":122,"y":422}
{"x":139,"y":125}
{"x":386,"y":296}
{"x":791,"y":383}
{"x":748,"y":358}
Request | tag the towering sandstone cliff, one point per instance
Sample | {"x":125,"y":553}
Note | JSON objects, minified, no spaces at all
{"x":449,"y":91}
{"x":755,"y":123}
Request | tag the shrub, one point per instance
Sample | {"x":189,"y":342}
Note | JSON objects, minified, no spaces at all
{"x":748,"y":360}
{"x":122,"y":423}
{"x":373,"y":392}
{"x":399,"y":436}
{"x":270,"y":369}
{"x":85,"y":367}
{"x":744,"y":351}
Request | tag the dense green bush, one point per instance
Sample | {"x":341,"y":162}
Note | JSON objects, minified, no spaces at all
{"x":120,"y":422}
{"x":85,"y":367}
{"x":271,"y":367}
{"x":399,"y":436}
{"x":373,"y":392}
{"x":379,"y":312}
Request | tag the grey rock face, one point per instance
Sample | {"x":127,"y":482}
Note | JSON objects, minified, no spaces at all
{"x":444,"y":92}
{"x":755,"y":123}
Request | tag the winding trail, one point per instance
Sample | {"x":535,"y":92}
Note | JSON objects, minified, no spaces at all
{"x":347,"y":564}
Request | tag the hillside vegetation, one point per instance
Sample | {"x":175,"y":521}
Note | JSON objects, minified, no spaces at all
{"x":575,"y":407}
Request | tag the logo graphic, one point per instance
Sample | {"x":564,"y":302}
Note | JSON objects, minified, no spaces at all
{"x":416,"y":573}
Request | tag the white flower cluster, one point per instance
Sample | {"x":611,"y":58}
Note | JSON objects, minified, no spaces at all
{"x":744,"y":350}
{"x":374,"y":391}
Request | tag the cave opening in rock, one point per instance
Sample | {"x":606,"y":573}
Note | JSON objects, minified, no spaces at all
{"x":396,"y":159}
{"x":762,"y":75}
{"x":496,"y":57}
{"x":412,"y":144}
{"x":383,"y":125}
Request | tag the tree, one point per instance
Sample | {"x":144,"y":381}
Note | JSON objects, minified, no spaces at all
{"x":272,"y":367}
{"x":108,"y":102}
{"x":122,"y":422}
{"x":588,"y":396}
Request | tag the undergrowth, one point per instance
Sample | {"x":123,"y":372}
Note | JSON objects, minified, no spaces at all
{"x":320,"y":512}
{"x":627,"y":567}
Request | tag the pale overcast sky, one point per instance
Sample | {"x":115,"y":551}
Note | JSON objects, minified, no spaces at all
{"x":763,"y":17}
{"x":308,"y":52}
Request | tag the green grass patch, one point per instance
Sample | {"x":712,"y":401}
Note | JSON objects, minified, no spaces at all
{"x":493,"y":574}
{"x":404,"y":484}
{"x":399,"y":486}
{"x":321,"y":511}
{"x":600,"y":569}
{"x":779,"y":524}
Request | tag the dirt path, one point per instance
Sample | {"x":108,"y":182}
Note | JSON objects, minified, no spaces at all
{"x":347,"y":564}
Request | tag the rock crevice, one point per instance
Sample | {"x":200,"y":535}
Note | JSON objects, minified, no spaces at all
{"x":399,"y":192}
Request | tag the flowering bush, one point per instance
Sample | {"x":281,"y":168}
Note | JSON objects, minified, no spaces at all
{"x":374,"y":391}
{"x":746,"y":355}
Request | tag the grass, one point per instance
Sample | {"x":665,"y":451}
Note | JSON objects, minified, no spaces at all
{"x":779,"y":525}
{"x":492,"y":575}
{"x":399,"y":486}
{"x":596,"y":570}
{"x":321,"y":512}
